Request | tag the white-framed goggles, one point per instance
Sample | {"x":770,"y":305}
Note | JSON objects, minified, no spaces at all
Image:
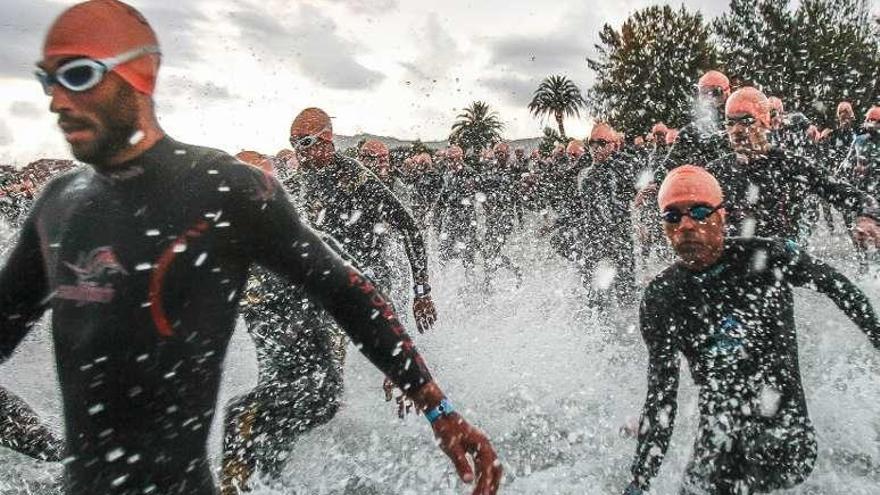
{"x":83,"y":74}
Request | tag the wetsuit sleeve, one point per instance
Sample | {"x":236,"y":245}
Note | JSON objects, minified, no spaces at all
{"x":658,"y":413}
{"x":804,"y":270}
{"x":23,"y":289}
{"x":404,"y":223}
{"x":274,"y":236}
{"x":838,"y":192}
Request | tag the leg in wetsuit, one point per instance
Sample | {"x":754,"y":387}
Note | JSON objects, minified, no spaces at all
{"x":744,"y":455}
{"x":21,"y":430}
{"x":300,"y":351}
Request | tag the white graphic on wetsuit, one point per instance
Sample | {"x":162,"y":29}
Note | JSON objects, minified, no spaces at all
{"x":93,"y":271}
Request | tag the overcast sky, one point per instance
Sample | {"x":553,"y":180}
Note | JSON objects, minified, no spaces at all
{"x":236,"y":72}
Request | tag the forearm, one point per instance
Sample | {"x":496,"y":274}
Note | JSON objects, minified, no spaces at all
{"x":655,"y":432}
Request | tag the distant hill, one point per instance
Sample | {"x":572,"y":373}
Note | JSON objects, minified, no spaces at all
{"x":343,"y":142}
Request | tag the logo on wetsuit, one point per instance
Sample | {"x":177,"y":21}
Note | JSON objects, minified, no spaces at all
{"x":729,"y":338}
{"x":92,"y":271}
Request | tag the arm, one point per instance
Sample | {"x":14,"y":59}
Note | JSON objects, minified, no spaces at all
{"x":838,"y":192}
{"x":658,"y":413}
{"x":274,"y":236}
{"x":802,"y":269}
{"x":23,"y":289}
{"x":414,"y":244}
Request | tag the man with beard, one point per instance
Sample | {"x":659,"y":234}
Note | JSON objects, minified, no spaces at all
{"x":754,"y":433}
{"x":702,"y":140}
{"x":767,"y":188}
{"x":300,"y":389}
{"x":143,"y":257}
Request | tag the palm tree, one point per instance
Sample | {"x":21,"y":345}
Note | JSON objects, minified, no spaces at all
{"x":557,"y":96}
{"x":477,"y":127}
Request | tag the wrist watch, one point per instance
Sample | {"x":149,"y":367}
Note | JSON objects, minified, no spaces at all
{"x":422,"y":290}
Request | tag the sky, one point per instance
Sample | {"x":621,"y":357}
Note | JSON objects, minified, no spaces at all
{"x":236,"y":72}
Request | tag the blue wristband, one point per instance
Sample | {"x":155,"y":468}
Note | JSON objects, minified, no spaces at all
{"x":444,"y":408}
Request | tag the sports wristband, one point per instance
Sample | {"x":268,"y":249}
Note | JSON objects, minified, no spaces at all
{"x":444,"y":408}
{"x":422,"y":290}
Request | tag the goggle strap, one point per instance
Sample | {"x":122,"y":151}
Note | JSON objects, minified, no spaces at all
{"x":128,"y":56}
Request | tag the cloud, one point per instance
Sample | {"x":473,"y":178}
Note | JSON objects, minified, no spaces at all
{"x":5,"y":134}
{"x":183,"y":86}
{"x":439,"y":52}
{"x":25,"y":23}
{"x":25,"y":110}
{"x":539,"y":54}
{"x":368,"y":6}
{"x":512,"y":89}
{"x":312,"y":43}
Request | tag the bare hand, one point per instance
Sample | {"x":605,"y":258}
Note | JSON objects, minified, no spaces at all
{"x":405,"y":405}
{"x":866,"y":232}
{"x":425,"y":313}
{"x":458,"y":439}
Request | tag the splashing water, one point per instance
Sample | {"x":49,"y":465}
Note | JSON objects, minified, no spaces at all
{"x":550,"y":383}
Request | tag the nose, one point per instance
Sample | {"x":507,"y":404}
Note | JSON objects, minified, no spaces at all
{"x":60,"y":100}
{"x":687,"y":223}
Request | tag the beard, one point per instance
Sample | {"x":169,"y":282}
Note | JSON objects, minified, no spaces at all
{"x":114,"y":124}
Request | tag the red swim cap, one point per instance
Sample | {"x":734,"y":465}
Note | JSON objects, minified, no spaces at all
{"x":689,"y":183}
{"x":100,"y":29}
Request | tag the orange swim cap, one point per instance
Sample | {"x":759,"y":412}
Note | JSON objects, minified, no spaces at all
{"x":873,"y":115}
{"x":312,"y":121}
{"x":714,"y":79}
{"x":454,"y":152}
{"x":749,"y":101}
{"x":603,"y":131}
{"x":256,"y":159}
{"x":776,"y":104}
{"x":575,"y":148}
{"x":689,"y":183}
{"x":101,"y":29}
{"x":374,"y":148}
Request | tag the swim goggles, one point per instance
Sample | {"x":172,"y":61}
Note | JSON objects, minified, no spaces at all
{"x":698,"y":213}
{"x":83,"y":74}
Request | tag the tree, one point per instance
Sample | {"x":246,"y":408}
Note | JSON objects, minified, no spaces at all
{"x":476,"y":128}
{"x":559,"y":97}
{"x":549,"y":141}
{"x":813,"y":57}
{"x":646,"y":72}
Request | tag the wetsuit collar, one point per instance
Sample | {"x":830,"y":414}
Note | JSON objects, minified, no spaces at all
{"x":144,"y":164}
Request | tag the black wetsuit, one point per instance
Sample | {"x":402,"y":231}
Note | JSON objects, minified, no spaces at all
{"x":606,"y":228}
{"x":143,"y":266}
{"x":501,"y":186}
{"x":456,"y":215}
{"x":301,"y":352}
{"x":734,"y":323}
{"x":22,"y":431}
{"x":698,"y":143}
{"x":768,"y":196}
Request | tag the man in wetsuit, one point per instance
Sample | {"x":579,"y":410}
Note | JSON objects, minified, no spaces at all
{"x":456,"y":210}
{"x":143,"y":258}
{"x":375,"y":156}
{"x":300,"y":349}
{"x":767,"y":188}
{"x":607,"y":189}
{"x":500,"y":183}
{"x":702,"y":140}
{"x":727,"y":306}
